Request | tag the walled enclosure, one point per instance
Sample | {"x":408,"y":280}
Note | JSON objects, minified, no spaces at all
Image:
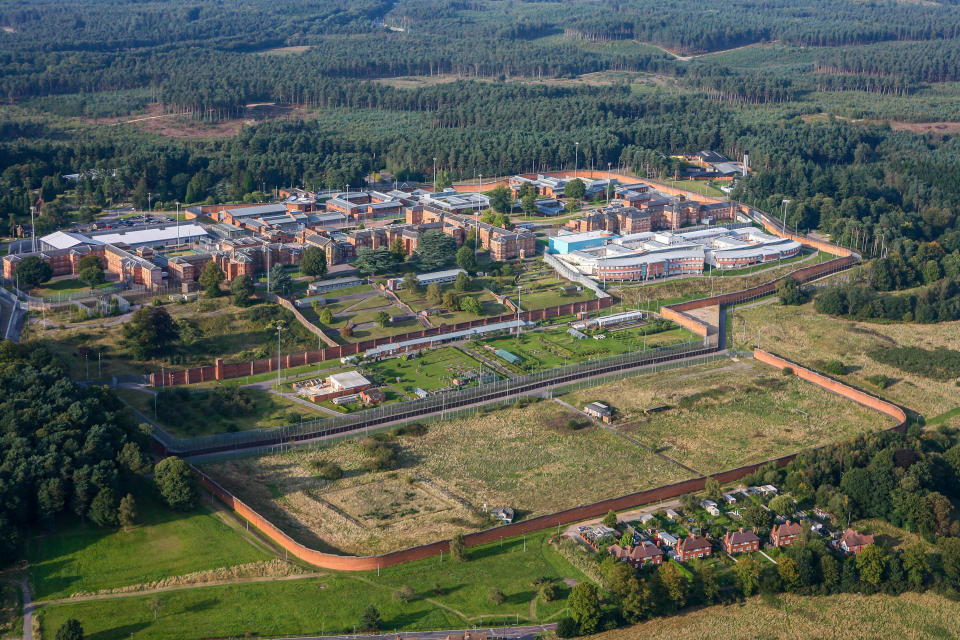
{"x":575,"y":514}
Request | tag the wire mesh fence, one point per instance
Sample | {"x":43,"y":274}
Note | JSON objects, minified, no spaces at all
{"x":442,"y":403}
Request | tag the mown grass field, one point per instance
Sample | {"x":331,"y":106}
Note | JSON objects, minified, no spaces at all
{"x":65,"y":286}
{"x":418,"y":302}
{"x":82,"y":557}
{"x":729,"y":414}
{"x":448,"y":595}
{"x":195,"y":417}
{"x":804,"y":336}
{"x":526,"y":458}
{"x":912,"y":616}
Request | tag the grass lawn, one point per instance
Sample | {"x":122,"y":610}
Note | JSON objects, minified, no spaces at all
{"x":527,"y":458}
{"x":450,"y":595}
{"x":11,"y":605}
{"x":65,"y":286}
{"x":809,"y":338}
{"x":919,"y":616}
{"x":195,"y":417}
{"x":433,"y":369}
{"x":697,"y":186}
{"x":232,"y":333}
{"x":746,"y":411}
{"x":555,"y":347}
{"x":418,"y":302}
{"x":82,"y":557}
{"x":807,"y":257}
{"x":542,"y":288}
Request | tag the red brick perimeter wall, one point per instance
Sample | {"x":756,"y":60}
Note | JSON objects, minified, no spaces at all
{"x":222,"y":371}
{"x":674,"y":312}
{"x":860,"y":397}
{"x":568,"y":516}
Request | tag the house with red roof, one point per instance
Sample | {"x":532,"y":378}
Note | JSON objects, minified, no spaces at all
{"x":693,"y":547}
{"x":742,"y":541}
{"x":783,"y":535}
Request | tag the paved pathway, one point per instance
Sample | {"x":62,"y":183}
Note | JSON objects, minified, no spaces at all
{"x":27,"y":610}
{"x":518,"y":633}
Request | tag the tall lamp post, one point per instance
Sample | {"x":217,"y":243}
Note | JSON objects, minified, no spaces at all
{"x":279,"y":329}
{"x":783,"y":214}
{"x":178,"y":223}
{"x":33,"y":231}
{"x":434,"y":175}
{"x":576,"y":158}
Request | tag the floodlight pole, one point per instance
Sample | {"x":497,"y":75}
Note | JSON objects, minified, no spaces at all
{"x":178,"y":223}
{"x":279,"y":329}
{"x":434,"y":175}
{"x":576,"y":158}
{"x":33,"y":232}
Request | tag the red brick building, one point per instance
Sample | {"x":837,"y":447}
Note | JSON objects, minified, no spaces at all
{"x":693,"y":547}
{"x":783,"y":535}
{"x":853,"y":542}
{"x":645,"y":553}
{"x":742,"y":541}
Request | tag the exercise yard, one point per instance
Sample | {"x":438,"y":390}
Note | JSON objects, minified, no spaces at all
{"x":728,"y":414}
{"x":536,"y":459}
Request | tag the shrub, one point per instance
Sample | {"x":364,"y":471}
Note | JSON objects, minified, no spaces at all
{"x":787,"y":371}
{"x":835,"y":367}
{"x":497,"y":597}
{"x":327,"y":470}
{"x":879,"y":380}
{"x":404,"y":594}
{"x":381,"y":456}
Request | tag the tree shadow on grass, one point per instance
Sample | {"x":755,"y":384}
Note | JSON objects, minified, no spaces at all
{"x":404,"y":620}
{"x":124,"y":631}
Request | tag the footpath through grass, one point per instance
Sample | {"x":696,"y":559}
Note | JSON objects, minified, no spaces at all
{"x":83,"y":557}
{"x":447,"y":595}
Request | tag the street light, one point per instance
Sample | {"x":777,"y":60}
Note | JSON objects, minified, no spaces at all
{"x":576,"y":157}
{"x":279,"y":329}
{"x":434,"y":175}
{"x":783,"y":214}
{"x":33,"y":231}
{"x":178,"y":223}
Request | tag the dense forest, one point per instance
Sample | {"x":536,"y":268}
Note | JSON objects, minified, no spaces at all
{"x":506,"y":102}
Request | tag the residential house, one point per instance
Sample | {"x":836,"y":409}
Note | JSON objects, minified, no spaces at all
{"x":742,"y":541}
{"x":645,"y":553}
{"x":693,"y":546}
{"x":853,"y":542}
{"x":783,"y":535}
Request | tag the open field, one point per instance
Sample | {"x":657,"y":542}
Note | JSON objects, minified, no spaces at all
{"x":725,"y":415}
{"x":195,"y":417}
{"x":225,"y":331}
{"x":432,"y":369}
{"x":912,"y":616}
{"x":699,"y":186}
{"x":451,"y":595}
{"x":804,"y":336}
{"x":82,"y":557}
{"x":551,"y":348}
{"x":526,"y":458}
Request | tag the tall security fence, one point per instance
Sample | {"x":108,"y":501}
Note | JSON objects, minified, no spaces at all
{"x":441,"y":404}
